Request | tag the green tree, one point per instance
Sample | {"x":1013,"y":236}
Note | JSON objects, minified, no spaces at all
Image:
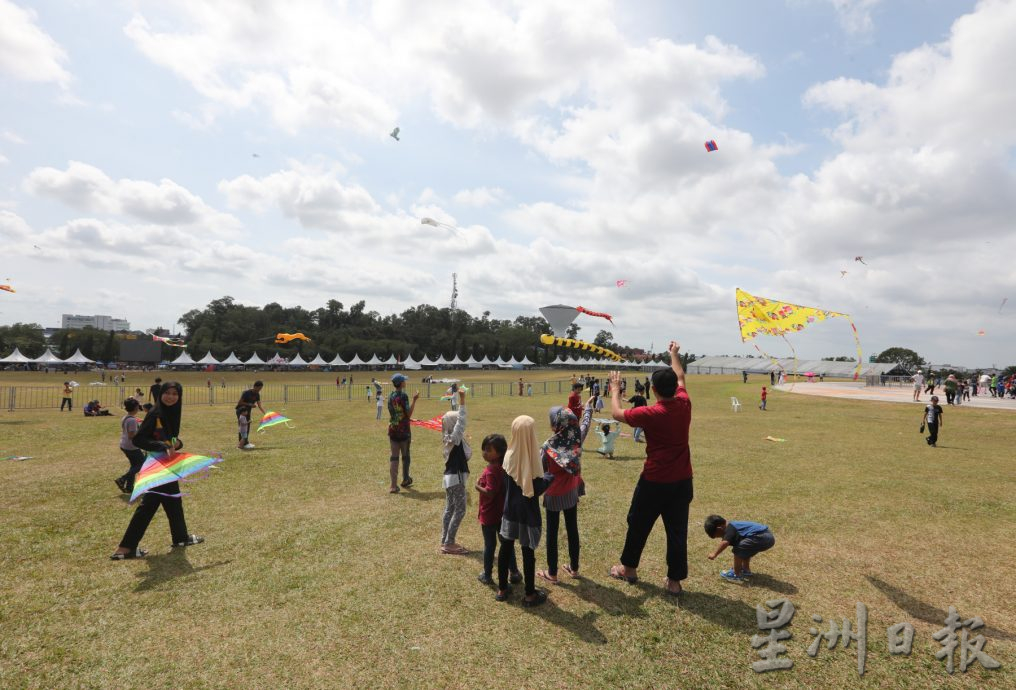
{"x":909,"y":359}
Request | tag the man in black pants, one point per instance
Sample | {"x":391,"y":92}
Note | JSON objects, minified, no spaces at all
{"x":665,"y":487}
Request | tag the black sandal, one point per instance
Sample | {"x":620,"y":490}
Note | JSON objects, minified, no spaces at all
{"x":136,"y":553}
{"x":191,"y":541}
{"x":539,"y":598}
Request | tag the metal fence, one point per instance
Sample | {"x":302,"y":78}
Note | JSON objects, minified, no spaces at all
{"x":111,"y":397}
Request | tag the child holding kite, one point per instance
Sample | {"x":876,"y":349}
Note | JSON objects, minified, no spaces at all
{"x":562,"y":458}
{"x":456,"y":473}
{"x":158,"y":433}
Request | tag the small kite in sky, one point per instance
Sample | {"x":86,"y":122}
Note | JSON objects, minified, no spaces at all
{"x":583,"y":310}
{"x":842,"y":274}
{"x":860,"y":258}
{"x":37,"y":247}
{"x":163,"y":468}
{"x":711,"y":145}
{"x":395,"y":134}
{"x":255,"y":155}
{"x":981,"y":332}
{"x":284,"y":338}
{"x":172,"y":342}
{"x":1004,"y":300}
{"x":271,"y":419}
{"x":8,"y":288}
{"x":622,"y":283}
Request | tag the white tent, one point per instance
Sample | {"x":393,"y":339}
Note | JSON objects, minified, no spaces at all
{"x":318,"y":361}
{"x":557,"y":361}
{"x":471,"y":362}
{"x":440,"y":360}
{"x":373,"y":361}
{"x":298,"y":361}
{"x":184,"y":360}
{"x":17,"y":358}
{"x":355,"y":361}
{"x":410,"y":363}
{"x":525,"y":360}
{"x":513,"y":361}
{"x":277,"y":360}
{"x":427,"y":362}
{"x":338,"y":362}
{"x":485,"y":362}
{"x":232,"y":360}
{"x":254,"y":360}
{"x":391,"y":361}
{"x":208,"y":359}
{"x":455,"y":361}
{"x":499,"y":361}
{"x":48,"y":357}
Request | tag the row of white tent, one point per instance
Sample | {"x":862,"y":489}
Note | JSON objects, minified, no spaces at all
{"x":46,"y":357}
{"x":184,"y":360}
{"x":408,"y":363}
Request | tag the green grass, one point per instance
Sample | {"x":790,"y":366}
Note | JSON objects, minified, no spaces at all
{"x":314,"y":576}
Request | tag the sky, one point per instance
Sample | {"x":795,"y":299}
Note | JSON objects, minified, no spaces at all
{"x":156,"y":156}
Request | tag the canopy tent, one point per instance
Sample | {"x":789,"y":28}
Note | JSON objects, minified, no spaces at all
{"x":318,"y":361}
{"x":558,"y":362}
{"x":525,"y":361}
{"x":297,"y":361}
{"x":471,"y":363}
{"x":391,"y":361}
{"x":184,"y":360}
{"x":231,"y":360}
{"x":374,"y":361}
{"x":456,"y":361}
{"x":427,"y":362}
{"x":48,"y":357}
{"x":410,"y":363}
{"x":440,"y":360}
{"x":512,"y":361}
{"x":485,"y":362}
{"x":356,"y":361}
{"x":277,"y":360}
{"x":17,"y":358}
{"x":208,"y":359}
{"x":338,"y":362}
{"x":254,"y":360}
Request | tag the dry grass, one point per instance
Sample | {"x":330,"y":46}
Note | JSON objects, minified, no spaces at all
{"x":314,"y":576}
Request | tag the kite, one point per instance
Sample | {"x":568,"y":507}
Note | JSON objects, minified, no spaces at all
{"x":774,"y":439}
{"x":163,"y":468}
{"x":434,"y":423}
{"x":8,"y":288}
{"x":395,"y":134}
{"x":622,"y":283}
{"x":860,"y":258}
{"x":172,"y":342}
{"x":711,"y":146}
{"x":842,"y":273}
{"x":18,"y":457}
{"x":285,"y":338}
{"x":255,"y":155}
{"x":760,"y":316}
{"x":583,"y":310}
{"x":271,"y":419}
{"x":980,"y":332}
{"x":450,"y":394}
{"x":580,"y":345}
{"x":1004,"y":300}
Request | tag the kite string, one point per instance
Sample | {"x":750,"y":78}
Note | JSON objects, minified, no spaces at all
{"x":791,"y":346}
{"x":857,"y":341}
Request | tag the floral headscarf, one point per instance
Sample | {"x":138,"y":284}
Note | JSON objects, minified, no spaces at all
{"x":565,"y":446}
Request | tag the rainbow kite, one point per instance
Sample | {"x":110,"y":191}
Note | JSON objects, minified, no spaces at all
{"x":162,"y":468}
{"x":711,"y":146}
{"x":760,"y":316}
{"x":434,"y":423}
{"x":271,"y":419}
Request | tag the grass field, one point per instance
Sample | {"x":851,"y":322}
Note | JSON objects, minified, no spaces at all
{"x":314,"y":576}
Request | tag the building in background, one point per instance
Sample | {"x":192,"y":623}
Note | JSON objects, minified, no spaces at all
{"x":99,"y":321}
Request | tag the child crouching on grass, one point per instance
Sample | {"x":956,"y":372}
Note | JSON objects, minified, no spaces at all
{"x":491,"y":486}
{"x":608,"y":434}
{"x":746,"y":538}
{"x":243,"y":429}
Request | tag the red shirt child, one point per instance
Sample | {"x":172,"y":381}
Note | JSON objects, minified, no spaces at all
{"x":492,"y":489}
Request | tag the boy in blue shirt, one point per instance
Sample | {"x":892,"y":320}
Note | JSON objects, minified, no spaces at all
{"x":746,"y":538}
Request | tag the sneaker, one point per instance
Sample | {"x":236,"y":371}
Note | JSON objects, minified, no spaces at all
{"x":729,"y":576}
{"x":515,"y":578}
{"x":746,"y":573}
{"x":407,"y":482}
{"x":122,"y":485}
{"x":249,"y":446}
{"x":485,"y":579}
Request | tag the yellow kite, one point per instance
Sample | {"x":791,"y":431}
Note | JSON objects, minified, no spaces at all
{"x":761,"y":316}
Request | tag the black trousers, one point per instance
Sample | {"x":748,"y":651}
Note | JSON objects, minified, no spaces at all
{"x":506,"y":556}
{"x":669,"y":501}
{"x":146,"y":511}
{"x":949,"y":395}
{"x":490,"y":546}
{"x":932,"y":433}
{"x":69,"y":402}
{"x":571,"y":525}
{"x":136,"y":458}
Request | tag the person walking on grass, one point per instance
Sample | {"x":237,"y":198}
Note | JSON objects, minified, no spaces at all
{"x":932,"y":419}
{"x":67,"y":399}
{"x":918,"y":379}
{"x":159,"y":433}
{"x":135,"y":456}
{"x":762,"y":399}
{"x":456,"y":452}
{"x":400,"y":435}
{"x":665,"y":487}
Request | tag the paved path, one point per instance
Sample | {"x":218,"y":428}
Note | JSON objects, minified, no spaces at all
{"x":858,"y":391}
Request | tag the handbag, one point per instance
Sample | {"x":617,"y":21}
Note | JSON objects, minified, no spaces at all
{"x":922,"y":427}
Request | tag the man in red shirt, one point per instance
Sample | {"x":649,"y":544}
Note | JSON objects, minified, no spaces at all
{"x":665,"y":487}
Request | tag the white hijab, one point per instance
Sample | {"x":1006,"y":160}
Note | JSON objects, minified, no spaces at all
{"x":522,"y":461}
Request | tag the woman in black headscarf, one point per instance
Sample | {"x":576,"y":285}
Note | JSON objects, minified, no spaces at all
{"x":159,"y":432}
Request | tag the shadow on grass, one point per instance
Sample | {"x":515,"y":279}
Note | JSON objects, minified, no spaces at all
{"x":583,"y":627}
{"x":422,"y":495}
{"x":769,"y":582}
{"x":169,"y":566}
{"x":614,"y":602}
{"x":926,"y":612}
{"x":730,"y":613}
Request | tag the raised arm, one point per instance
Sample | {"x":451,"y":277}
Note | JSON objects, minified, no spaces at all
{"x":587,"y":419}
{"x":459,"y":430}
{"x":675,"y":362}
{"x":616,"y":411}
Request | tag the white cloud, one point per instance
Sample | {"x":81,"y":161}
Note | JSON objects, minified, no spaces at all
{"x":27,"y":52}
{"x":88,"y":188}
{"x":479,"y":197}
{"x":12,"y":137}
{"x":855,"y":15}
